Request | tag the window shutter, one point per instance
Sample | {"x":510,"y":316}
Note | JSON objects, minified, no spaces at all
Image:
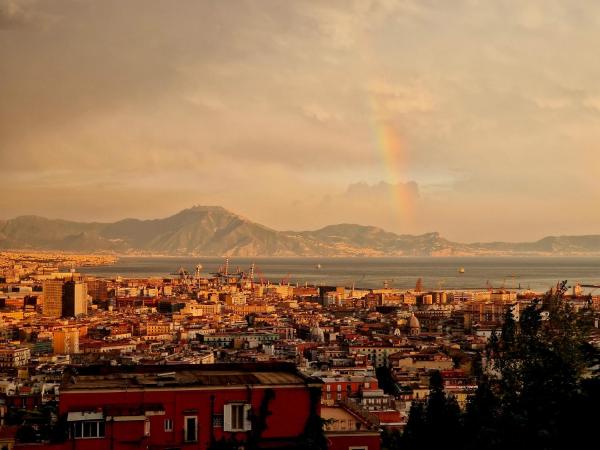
{"x":227,"y":418}
{"x":247,"y":422}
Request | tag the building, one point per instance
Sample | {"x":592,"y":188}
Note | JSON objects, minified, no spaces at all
{"x":53,"y":293}
{"x":340,"y":387}
{"x":190,"y":406}
{"x":74,"y":299}
{"x":377,"y":354}
{"x":239,"y":339}
{"x":11,"y":357}
{"x":347,"y":430}
{"x":64,"y":298}
{"x":490,"y":313}
{"x":65,"y":341}
{"x":425,"y":360}
{"x":98,"y":290}
{"x":234,"y":298}
{"x":414,"y":326}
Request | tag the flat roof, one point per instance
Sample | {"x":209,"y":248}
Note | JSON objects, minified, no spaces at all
{"x":173,"y":376}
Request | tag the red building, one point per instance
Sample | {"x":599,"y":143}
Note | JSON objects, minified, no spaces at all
{"x":339,"y":388}
{"x":187,"y":407}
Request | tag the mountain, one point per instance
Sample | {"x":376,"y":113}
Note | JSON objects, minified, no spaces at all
{"x":214,"y":231}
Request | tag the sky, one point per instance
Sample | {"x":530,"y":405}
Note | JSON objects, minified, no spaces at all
{"x":476,"y":119}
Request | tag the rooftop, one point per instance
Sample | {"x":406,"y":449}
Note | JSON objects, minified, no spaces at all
{"x":205,"y":375}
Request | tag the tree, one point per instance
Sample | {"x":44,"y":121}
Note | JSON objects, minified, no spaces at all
{"x":415,"y":427}
{"x":532,"y":392}
{"x":481,"y":418}
{"x":386,"y":380}
{"x":540,"y":362}
{"x":435,"y":423}
{"x":391,"y":440}
{"x":313,"y":437}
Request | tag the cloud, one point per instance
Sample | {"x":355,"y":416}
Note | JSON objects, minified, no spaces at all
{"x":367,"y":191}
{"x":318,"y":113}
{"x":411,"y":97}
{"x":279,"y":103}
{"x":387,"y":205}
{"x":13,"y":14}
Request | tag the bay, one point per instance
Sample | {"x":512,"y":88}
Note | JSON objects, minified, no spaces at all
{"x":536,"y":273}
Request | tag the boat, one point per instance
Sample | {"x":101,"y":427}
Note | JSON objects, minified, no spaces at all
{"x":318,"y":266}
{"x":461,"y":270}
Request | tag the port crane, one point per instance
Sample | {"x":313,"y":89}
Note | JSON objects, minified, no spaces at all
{"x":286,"y":280}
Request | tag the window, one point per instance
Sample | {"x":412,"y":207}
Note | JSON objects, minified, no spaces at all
{"x":328,"y":387}
{"x":168,"y":424}
{"x":236,"y":417}
{"x":191,"y":429}
{"x":339,"y":387}
{"x":218,"y":421}
{"x":367,"y":385}
{"x":339,"y":396}
{"x":147,"y":427}
{"x":88,"y":429}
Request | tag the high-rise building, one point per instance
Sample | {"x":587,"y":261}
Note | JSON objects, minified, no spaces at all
{"x":53,"y":298}
{"x":74,"y":300}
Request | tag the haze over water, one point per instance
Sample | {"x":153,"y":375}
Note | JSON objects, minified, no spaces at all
{"x":536,"y":273}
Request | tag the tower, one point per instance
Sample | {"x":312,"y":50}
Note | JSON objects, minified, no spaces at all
{"x":74,"y":299}
{"x":53,"y":294}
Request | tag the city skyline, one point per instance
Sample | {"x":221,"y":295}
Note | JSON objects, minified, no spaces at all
{"x":474,"y":119}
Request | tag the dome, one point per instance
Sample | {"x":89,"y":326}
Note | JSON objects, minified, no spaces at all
{"x":413,"y":322}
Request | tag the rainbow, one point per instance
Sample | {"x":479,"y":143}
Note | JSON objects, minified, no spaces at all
{"x":392,"y":152}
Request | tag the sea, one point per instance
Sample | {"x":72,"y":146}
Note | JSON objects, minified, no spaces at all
{"x":535,"y":273}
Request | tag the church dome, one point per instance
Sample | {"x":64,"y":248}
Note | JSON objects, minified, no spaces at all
{"x":413,"y":322}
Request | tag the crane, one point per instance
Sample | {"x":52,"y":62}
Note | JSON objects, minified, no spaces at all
{"x":261,"y":277}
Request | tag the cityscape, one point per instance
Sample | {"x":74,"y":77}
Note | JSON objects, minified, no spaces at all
{"x":299,"y":225}
{"x":208,"y":359}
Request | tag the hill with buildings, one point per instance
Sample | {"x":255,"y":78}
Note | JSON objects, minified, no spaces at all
{"x":214,"y":231}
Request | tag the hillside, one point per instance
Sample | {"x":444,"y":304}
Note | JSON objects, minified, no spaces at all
{"x":214,"y":231}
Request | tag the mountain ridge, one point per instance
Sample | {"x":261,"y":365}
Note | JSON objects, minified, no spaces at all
{"x":215,"y":231}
